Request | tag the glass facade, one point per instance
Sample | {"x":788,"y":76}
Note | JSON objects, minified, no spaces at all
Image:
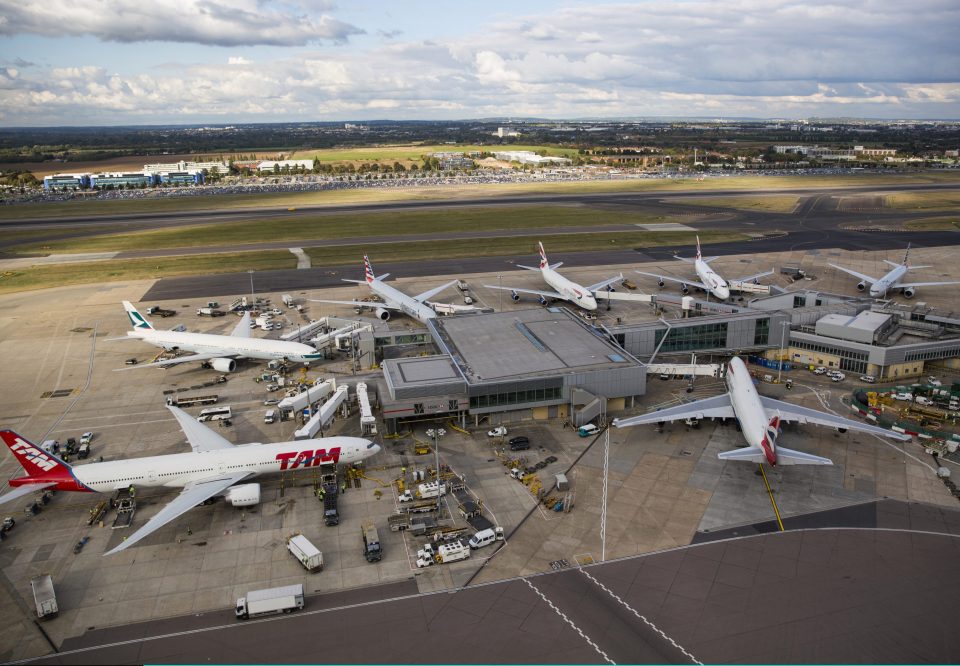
{"x":690,"y":338}
{"x":516,"y":397}
{"x":761,"y":332}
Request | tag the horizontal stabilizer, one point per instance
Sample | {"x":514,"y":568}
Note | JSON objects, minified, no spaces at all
{"x":791,"y":457}
{"x":746,"y":454}
{"x":23,"y":491}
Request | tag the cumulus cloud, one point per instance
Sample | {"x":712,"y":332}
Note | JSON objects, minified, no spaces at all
{"x":238,"y":60}
{"x":211,"y":22}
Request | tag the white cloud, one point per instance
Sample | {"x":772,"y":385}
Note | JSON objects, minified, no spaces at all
{"x":238,"y":60}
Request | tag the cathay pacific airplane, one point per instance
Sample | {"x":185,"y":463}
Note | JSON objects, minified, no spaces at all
{"x":759,"y":419}
{"x":880,"y":286}
{"x":221,"y":351}
{"x":566,"y":290}
{"x":417,"y":306}
{"x":214,"y":468}
{"x":710,"y":281}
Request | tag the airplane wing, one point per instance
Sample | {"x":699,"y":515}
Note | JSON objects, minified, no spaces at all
{"x":433,"y":292}
{"x":689,"y":283}
{"x":865,"y":278}
{"x":795,"y":413}
{"x":716,"y":407}
{"x":896,"y":265}
{"x":201,"y":437}
{"x":359,"y":304}
{"x":192,"y":494}
{"x":23,"y":491}
{"x":242,"y":330}
{"x":545,"y":294}
{"x":752,"y":277}
{"x":905,"y":285}
{"x":600,"y":285}
{"x":175,"y":361}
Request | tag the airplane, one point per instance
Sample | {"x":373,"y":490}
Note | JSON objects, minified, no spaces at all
{"x":759,"y":419}
{"x":213,"y":468}
{"x":566,"y":290}
{"x":221,"y":351}
{"x":709,"y":280}
{"x":393,"y":298}
{"x":880,"y":287}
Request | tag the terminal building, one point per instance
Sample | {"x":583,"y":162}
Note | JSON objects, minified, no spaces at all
{"x":69,"y":181}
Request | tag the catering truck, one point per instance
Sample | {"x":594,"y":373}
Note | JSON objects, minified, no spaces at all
{"x":43,"y":596}
{"x":268,"y":602}
{"x":308,"y":555}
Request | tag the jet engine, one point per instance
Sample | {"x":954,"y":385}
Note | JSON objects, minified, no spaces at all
{"x":383,"y":313}
{"x":246,"y":494}
{"x":841,"y":430}
{"x":660,"y":283}
{"x":515,"y":296}
{"x":542,"y":299}
{"x":224,"y":364}
{"x":684,"y":288}
{"x":909,"y":292}
{"x":861,"y":286}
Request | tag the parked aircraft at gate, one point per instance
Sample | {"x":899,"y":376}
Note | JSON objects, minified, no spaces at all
{"x":566,"y":290}
{"x":710,"y":281}
{"x":417,"y":306}
{"x":759,"y":419}
{"x":220,"y":350}
{"x":212,"y":469}
{"x":880,"y":286}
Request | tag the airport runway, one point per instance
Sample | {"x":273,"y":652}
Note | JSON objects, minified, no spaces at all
{"x":841,"y":595}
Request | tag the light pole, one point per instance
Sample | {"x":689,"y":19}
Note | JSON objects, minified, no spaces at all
{"x":436,"y":434}
{"x":251,"y":287}
{"x":500,"y":292}
{"x":783,"y":330}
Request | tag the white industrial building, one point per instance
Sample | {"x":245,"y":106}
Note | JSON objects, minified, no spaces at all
{"x":528,"y":157}
{"x":185,"y":167}
{"x":272,"y":165}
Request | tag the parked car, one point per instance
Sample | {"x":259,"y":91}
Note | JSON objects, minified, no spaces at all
{"x":270,"y":401}
{"x":499,"y":431}
{"x":933,"y":381}
{"x":820,"y":370}
{"x":837,"y":377}
{"x":519,"y":443}
{"x":86,"y":438}
{"x":131,"y":361}
{"x":869,"y":379}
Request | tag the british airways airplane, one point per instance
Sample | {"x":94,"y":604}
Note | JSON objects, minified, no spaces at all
{"x":215,"y":467}
{"x":760,"y":418}
{"x":417,"y":306}
{"x":880,"y":286}
{"x":710,"y":281}
{"x":565,"y":289}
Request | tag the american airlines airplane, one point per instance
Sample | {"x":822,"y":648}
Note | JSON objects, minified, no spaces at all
{"x":565,"y":289}
{"x":759,"y":419}
{"x":417,"y":306}
{"x":220,"y":350}
{"x":212,"y":469}
{"x":709,"y":280}
{"x":880,"y":287}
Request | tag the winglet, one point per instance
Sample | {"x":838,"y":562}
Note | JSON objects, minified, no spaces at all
{"x":368,"y":270}
{"x":137,"y":319}
{"x":543,"y":257}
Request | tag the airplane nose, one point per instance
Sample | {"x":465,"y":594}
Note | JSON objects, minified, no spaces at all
{"x":723,"y":293}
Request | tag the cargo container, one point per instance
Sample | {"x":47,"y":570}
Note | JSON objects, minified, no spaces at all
{"x":266,"y":602}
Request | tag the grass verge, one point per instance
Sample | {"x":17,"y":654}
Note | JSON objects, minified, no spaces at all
{"x":770,"y":203}
{"x":934,"y":224}
{"x":940,"y":200}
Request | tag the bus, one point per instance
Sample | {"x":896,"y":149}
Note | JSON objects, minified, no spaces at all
{"x":215,"y":414}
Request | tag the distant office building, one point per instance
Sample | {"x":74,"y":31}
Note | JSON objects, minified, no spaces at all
{"x":188,"y":167}
{"x":117,"y":180}
{"x":453,"y":160}
{"x":528,"y":157}
{"x":506,"y":131}
{"x":71,"y":181}
{"x":292,"y":165}
{"x":182,"y":178}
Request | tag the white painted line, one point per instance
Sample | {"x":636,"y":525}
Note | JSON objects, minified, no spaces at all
{"x":568,"y":621}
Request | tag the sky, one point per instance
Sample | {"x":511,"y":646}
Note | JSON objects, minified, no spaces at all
{"x":133,"y":62}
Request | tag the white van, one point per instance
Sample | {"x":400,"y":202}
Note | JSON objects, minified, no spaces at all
{"x":485,"y":537}
{"x":270,"y":416}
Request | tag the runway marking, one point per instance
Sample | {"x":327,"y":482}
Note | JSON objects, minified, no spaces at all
{"x":570,"y":622}
{"x":641,"y":617}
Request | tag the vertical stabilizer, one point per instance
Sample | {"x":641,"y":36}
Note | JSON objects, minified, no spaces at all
{"x":544,"y":264}
{"x":699,"y":256}
{"x":136,"y":319}
{"x":368,"y":270}
{"x":41,"y":467}
{"x":906,"y":256}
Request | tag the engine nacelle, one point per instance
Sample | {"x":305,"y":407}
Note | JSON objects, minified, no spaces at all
{"x":383,"y":314}
{"x":246,"y":494}
{"x":861,"y":286}
{"x":223,"y":364}
{"x":841,"y":430}
{"x":685,"y":289}
{"x":909,"y":292}
{"x":661,"y":283}
{"x":515,"y":296}
{"x":542,"y":299}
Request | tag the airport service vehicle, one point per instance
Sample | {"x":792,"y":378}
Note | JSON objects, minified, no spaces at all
{"x":44,"y":596}
{"x":331,"y":516}
{"x":221,"y":351}
{"x":587,"y":430}
{"x":499,"y":431}
{"x":306,"y":553}
{"x":371,"y":542}
{"x":837,"y":377}
{"x":869,"y":379}
{"x":820,"y":370}
{"x":565,"y":290}
{"x":268,"y":602}
{"x":210,"y":312}
{"x":485,"y":537}
{"x":710,"y":282}
{"x":424,"y":491}
{"x":394,"y":300}
{"x":520,"y":443}
{"x":86,"y":438}
{"x":160,"y":312}
{"x":288,"y":300}
{"x":215,"y":414}
{"x":759,"y":419}
{"x":892,"y":280}
{"x":192,"y":400}
{"x":213,"y":468}
{"x":270,"y":416}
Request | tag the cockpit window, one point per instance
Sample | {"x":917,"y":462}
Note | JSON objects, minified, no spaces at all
{"x":371,"y":445}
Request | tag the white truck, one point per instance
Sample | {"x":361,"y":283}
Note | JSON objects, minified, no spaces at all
{"x":288,"y":300}
{"x":267,"y":602}
{"x":308,"y":555}
{"x":44,"y":596}
{"x":445,"y":554}
{"x":424,"y":491}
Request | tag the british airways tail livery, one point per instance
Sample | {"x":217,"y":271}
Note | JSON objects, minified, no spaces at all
{"x":892,"y":280}
{"x":215,"y":467}
{"x":394,"y":300}
{"x":564,"y":289}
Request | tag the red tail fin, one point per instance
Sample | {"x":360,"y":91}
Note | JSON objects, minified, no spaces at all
{"x":699,"y":256}
{"x":543,"y":258}
{"x":36,"y":463}
{"x":368,"y":270}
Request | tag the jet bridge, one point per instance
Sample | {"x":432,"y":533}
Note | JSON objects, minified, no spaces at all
{"x":674,"y":369}
{"x":324,"y":415}
{"x":315,"y":393}
{"x":368,"y":423}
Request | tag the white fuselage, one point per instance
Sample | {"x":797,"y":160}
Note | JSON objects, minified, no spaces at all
{"x":749,"y":410}
{"x":889,"y":281}
{"x":569,"y":290}
{"x":715,"y":284}
{"x":228,"y":345}
{"x":178,"y":469}
{"x":407,"y":304}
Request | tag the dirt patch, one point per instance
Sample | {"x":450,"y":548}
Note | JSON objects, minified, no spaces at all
{"x":861,"y":203}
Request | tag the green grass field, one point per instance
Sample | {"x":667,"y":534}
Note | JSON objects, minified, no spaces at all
{"x":770,"y":203}
{"x":940,"y":200}
{"x":934,"y":224}
{"x":297,"y":227}
{"x":412,"y":153}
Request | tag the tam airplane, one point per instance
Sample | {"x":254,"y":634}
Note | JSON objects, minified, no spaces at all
{"x":880,"y":287}
{"x":417,"y":306}
{"x":213,"y":468}
{"x":220,"y":350}
{"x":710,"y":281}
{"x":759,"y":419}
{"x":566,"y":290}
